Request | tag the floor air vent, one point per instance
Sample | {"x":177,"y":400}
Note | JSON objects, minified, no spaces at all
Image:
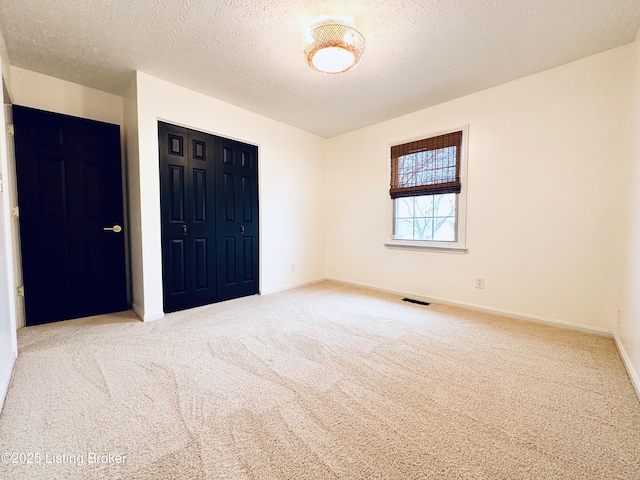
{"x":417,"y":302}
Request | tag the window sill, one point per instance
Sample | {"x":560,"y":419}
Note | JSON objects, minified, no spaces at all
{"x":426,"y":246}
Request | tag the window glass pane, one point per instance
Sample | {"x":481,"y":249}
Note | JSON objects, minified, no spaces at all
{"x":404,"y":229}
{"x":445,"y":205}
{"x":444,"y":229}
{"x":424,"y":206}
{"x":404,"y":207}
{"x":423,"y":228}
{"x":426,"y":218}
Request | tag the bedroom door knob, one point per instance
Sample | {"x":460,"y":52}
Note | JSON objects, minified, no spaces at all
{"x":114,"y":229}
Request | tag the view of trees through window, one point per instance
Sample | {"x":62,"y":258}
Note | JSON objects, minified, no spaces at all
{"x":426,"y":217}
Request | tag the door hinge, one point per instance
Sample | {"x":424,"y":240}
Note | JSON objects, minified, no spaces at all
{"x":15,"y":211}
{"x":10,"y":129}
{"x":20,"y":291}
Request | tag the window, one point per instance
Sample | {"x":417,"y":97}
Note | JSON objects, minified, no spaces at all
{"x":428,"y":192}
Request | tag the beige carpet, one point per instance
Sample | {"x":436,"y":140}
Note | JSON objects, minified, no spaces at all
{"x":322,"y":382}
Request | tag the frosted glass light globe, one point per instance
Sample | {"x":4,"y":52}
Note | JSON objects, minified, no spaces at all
{"x":333,"y":59}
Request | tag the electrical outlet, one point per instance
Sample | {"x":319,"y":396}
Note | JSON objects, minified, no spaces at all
{"x":293,"y":267}
{"x":479,"y":282}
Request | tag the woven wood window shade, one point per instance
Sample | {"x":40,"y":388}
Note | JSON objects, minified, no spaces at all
{"x":426,"y":167}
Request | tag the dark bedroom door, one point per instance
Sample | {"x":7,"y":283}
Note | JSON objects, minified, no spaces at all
{"x":71,"y":215}
{"x":209,"y":205}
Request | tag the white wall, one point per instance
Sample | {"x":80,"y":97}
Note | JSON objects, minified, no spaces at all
{"x":132,"y":182}
{"x":544,"y":173}
{"x":35,"y":90}
{"x":628,"y":331}
{"x":291,"y":187}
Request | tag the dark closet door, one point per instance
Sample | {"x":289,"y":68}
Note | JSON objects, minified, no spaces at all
{"x":188,"y":217}
{"x":237,"y":218}
{"x":71,"y":215}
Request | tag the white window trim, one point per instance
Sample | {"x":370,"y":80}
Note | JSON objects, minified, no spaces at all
{"x":460,"y":245}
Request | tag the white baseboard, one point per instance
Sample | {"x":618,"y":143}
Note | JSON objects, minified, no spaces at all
{"x":633,"y":375}
{"x":137,"y":309}
{"x":496,"y":311}
{"x":5,"y":379}
{"x":291,"y":286}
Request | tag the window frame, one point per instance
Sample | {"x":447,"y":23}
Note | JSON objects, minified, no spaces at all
{"x":458,"y":246}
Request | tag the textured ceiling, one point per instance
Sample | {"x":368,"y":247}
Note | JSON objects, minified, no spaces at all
{"x":418,"y":54}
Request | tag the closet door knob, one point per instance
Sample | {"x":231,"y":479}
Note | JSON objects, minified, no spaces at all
{"x":114,"y":229}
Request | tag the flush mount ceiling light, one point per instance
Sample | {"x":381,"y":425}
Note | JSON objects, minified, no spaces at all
{"x":333,"y":46}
